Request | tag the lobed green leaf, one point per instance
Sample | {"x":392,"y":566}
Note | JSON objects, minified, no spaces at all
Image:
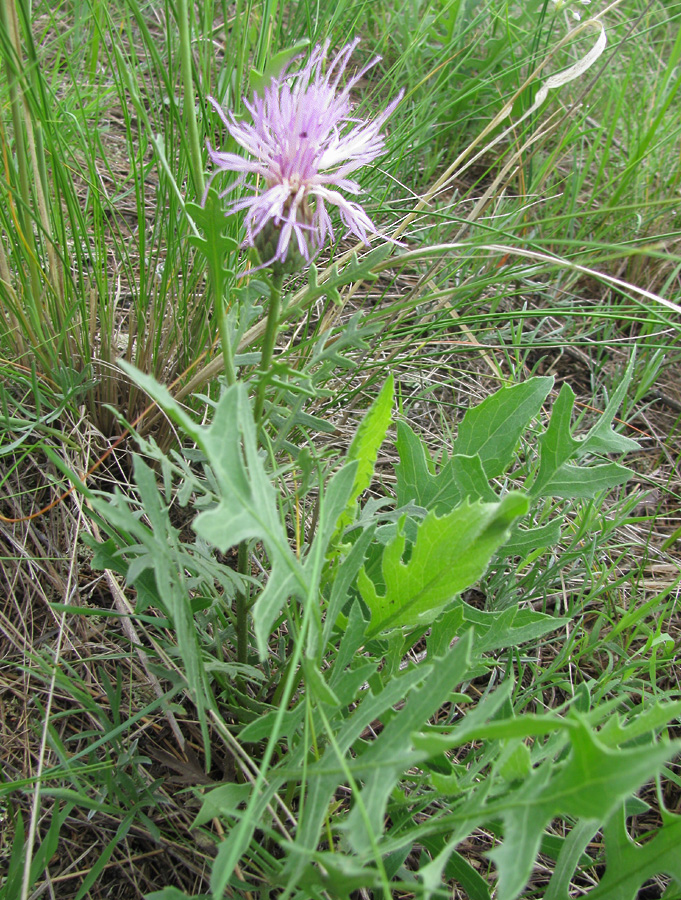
{"x":449,"y":554}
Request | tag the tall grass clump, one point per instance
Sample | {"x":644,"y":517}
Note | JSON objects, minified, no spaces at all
{"x":340,"y":484}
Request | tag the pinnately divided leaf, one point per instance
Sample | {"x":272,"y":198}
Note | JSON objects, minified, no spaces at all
{"x":449,"y":554}
{"x":629,"y":865}
{"x":558,"y":474}
{"x":247,"y":507}
{"x":392,"y":752}
{"x":460,"y":476}
{"x":589,"y":785}
{"x":493,"y":428}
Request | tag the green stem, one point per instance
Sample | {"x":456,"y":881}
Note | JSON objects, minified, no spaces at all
{"x":242,"y":596}
{"x":195,"y":157}
{"x":242,"y":599}
{"x":241,"y":46}
{"x":268,"y":343}
{"x":226,"y":341}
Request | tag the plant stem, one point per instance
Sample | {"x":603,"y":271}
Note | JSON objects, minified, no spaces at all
{"x":265,"y":363}
{"x":195,"y":157}
{"x":268,"y":343}
{"x":242,"y":596}
{"x":226,"y":341}
{"x":242,"y":557}
{"x":242,"y":599}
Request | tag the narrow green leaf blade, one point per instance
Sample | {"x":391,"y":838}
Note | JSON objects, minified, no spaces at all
{"x":365,"y":446}
{"x":392,"y":752}
{"x":556,"y":445}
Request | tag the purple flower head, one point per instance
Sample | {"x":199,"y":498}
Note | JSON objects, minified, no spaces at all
{"x":303,"y":144}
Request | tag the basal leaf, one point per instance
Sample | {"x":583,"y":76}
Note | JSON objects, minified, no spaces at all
{"x":647,"y":722}
{"x":495,"y":630}
{"x":247,"y":507}
{"x":344,"y":575}
{"x":511,"y":627}
{"x":333,"y":500}
{"x":493,"y":428}
{"x":324,"y":776}
{"x":558,"y":474}
{"x":485,"y":722}
{"x":525,"y":540}
{"x":587,"y":787}
{"x":335,"y":875}
{"x":556,"y":445}
{"x":571,"y":855}
{"x":603,"y":438}
{"x":353,"y":638}
{"x":414,"y":471}
{"x":223,"y":800}
{"x":455,"y":867}
{"x":315,"y":683}
{"x":159,"y":550}
{"x":515,"y":761}
{"x":449,"y":554}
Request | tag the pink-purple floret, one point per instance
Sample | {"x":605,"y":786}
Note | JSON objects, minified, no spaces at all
{"x":303,"y":144}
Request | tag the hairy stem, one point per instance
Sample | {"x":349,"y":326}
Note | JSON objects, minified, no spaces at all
{"x":242,"y":599}
{"x":268,"y":343}
{"x":265,"y":363}
{"x":226,"y":341}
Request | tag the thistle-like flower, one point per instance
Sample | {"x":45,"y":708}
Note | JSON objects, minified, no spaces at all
{"x":303,"y":143}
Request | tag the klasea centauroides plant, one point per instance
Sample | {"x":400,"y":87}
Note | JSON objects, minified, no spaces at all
{"x":332,"y":592}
